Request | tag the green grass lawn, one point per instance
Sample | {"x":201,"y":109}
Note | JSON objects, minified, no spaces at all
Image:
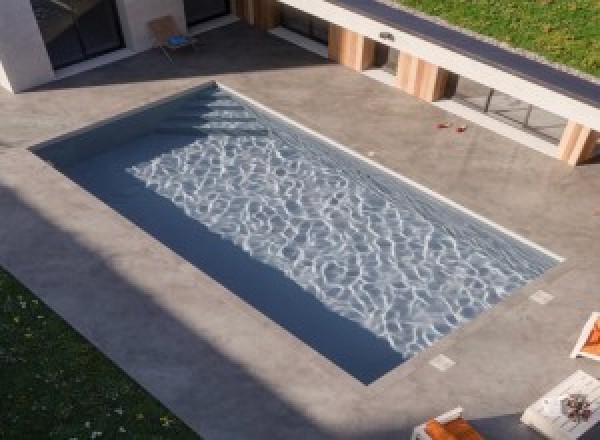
{"x":563,"y":31}
{"x":55,"y":384}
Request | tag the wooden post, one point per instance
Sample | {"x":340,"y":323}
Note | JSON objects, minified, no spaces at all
{"x":267,"y":14}
{"x":350,"y":49}
{"x":420,"y":78}
{"x":577,"y":143}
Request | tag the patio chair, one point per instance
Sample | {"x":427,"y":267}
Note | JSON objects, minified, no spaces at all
{"x":168,"y":36}
{"x":588,"y":344}
{"x":449,"y":426}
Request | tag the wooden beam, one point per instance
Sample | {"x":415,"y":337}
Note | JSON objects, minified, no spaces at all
{"x":568,"y":140}
{"x":577,"y":143}
{"x":420,"y":78}
{"x":350,"y":49}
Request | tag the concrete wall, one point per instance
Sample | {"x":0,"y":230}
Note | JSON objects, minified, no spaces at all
{"x":135,"y":14}
{"x":23,"y":55}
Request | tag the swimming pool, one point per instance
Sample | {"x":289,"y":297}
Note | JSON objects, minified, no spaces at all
{"x":366,"y":268}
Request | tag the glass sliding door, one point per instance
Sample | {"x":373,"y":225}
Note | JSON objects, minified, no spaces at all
{"x":76,"y":30}
{"x":305,"y":24}
{"x":58,"y":32}
{"x":98,"y":26}
{"x":197,"y":11}
{"x":510,"y":110}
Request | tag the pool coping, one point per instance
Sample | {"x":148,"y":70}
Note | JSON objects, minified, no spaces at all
{"x":255,"y":106}
{"x":421,"y":359}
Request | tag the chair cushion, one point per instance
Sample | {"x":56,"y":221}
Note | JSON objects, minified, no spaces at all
{"x":591,"y":349}
{"x":594,"y":336}
{"x":436,"y":431}
{"x":177,"y":40}
{"x":462,"y":430}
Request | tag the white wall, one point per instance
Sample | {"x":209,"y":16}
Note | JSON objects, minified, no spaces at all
{"x":135,"y":15}
{"x":25,"y":62}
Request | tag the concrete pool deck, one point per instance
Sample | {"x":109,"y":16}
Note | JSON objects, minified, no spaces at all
{"x":225,"y":369}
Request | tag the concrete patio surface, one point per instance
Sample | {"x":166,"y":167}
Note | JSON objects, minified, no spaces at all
{"x":225,"y":369}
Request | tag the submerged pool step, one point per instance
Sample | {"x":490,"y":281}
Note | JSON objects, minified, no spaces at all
{"x":202,"y":118}
{"x":215,"y":114}
{"x":215,"y":93}
{"x":211,"y":104}
{"x":198,"y":123}
{"x":214,"y":98}
{"x":188,"y":130}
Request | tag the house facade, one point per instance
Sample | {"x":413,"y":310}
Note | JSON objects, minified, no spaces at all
{"x":540,"y":105}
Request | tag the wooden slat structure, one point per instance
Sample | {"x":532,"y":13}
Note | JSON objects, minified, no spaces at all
{"x":577,"y":144}
{"x":350,"y":49}
{"x":420,"y":78}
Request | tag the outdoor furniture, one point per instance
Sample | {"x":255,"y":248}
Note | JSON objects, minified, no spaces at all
{"x":167,"y":35}
{"x":560,"y":427}
{"x":448,"y":426}
{"x":588,"y":344}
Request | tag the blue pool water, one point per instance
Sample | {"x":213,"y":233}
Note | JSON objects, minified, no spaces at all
{"x":364,"y":268}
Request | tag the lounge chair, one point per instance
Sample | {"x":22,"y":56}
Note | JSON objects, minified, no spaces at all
{"x":168,"y":36}
{"x":588,"y":344}
{"x":449,"y":426}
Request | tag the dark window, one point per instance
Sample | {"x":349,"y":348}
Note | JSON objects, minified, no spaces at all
{"x":510,"y":110}
{"x":76,"y":30}
{"x":197,"y":11}
{"x":305,"y":24}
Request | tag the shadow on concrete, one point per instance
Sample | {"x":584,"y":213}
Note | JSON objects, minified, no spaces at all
{"x":235,"y":48}
{"x":141,"y":336}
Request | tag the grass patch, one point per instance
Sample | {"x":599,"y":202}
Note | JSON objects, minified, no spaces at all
{"x":563,"y":31}
{"x":55,"y":384}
